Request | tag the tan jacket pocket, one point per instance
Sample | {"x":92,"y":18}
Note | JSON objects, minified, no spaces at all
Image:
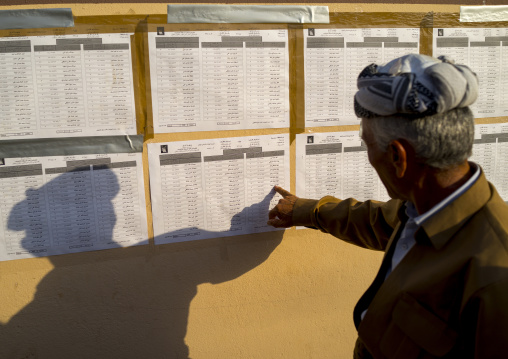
{"x":416,"y":332}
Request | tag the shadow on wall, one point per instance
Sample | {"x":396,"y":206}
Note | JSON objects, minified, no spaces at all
{"x":126,"y":302}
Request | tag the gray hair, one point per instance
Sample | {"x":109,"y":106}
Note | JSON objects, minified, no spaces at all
{"x":441,"y":141}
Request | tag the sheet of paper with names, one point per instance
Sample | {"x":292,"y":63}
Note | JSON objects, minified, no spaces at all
{"x":215,"y":188}
{"x":219,"y":80}
{"x":490,"y":151}
{"x":333,"y":60}
{"x":485,"y":50}
{"x":66,"y":204}
{"x":335,"y":164}
{"x":65,"y":86}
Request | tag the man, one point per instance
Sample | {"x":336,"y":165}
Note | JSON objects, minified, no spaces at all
{"x":442,"y":289}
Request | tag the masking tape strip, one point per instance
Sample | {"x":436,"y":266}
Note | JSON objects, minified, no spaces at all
{"x":252,"y":14}
{"x":71,"y":146}
{"x":36,"y":18}
{"x":483,"y":13}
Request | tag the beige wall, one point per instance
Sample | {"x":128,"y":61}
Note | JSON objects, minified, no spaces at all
{"x":133,"y":8}
{"x":279,"y":295}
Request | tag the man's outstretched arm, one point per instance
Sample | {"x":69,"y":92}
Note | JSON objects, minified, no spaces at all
{"x":366,"y":224}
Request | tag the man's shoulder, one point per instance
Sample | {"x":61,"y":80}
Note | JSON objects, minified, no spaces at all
{"x":483,"y":246}
{"x":488,"y":209}
{"x":488,"y":230}
{"x":495,"y":213}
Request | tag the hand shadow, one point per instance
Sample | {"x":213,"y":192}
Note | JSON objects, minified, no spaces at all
{"x":126,"y":302}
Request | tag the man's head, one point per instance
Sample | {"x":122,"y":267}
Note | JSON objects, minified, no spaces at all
{"x":440,"y":141}
{"x":415,"y":117}
{"x":402,"y":149}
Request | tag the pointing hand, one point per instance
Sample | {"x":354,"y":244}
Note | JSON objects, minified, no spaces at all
{"x":281,"y":216}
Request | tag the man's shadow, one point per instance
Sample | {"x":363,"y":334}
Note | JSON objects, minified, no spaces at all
{"x":125,"y":302}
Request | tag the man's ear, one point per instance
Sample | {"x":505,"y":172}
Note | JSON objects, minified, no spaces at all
{"x":398,"y":156}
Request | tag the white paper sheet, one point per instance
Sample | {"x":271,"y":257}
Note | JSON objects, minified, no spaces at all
{"x":485,"y":50}
{"x":333,"y":60}
{"x":219,"y":80}
{"x":67,"y":204}
{"x":217,"y":187}
{"x":335,"y":164}
{"x":490,"y":151}
{"x":65,"y":86}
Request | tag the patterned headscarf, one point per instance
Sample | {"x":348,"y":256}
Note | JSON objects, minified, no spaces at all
{"x":414,"y":85}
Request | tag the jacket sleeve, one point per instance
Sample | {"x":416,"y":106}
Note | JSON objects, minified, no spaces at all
{"x":366,"y":224}
{"x":485,"y":323}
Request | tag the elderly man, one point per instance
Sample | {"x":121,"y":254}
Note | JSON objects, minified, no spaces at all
{"x":442,"y":289}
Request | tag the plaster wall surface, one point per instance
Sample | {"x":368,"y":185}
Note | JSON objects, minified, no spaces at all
{"x":288,"y":294}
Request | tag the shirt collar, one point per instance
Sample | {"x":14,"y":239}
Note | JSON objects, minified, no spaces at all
{"x":412,"y":213}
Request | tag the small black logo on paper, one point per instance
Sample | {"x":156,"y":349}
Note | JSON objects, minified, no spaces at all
{"x":440,"y":32}
{"x":160,"y":31}
{"x":310,"y":139}
{"x":2,"y":162}
{"x":164,"y":148}
{"x":312,"y":32}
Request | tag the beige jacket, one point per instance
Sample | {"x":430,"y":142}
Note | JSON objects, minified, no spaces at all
{"x":448,"y":297}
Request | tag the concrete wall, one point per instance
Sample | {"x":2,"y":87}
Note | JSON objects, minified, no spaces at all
{"x":279,"y":295}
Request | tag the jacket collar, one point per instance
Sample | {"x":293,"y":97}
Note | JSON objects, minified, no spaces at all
{"x":439,"y":228}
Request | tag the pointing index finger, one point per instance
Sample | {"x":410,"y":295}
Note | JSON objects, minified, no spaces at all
{"x":282,"y":191}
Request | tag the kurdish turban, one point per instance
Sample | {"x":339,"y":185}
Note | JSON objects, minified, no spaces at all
{"x":414,"y":85}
